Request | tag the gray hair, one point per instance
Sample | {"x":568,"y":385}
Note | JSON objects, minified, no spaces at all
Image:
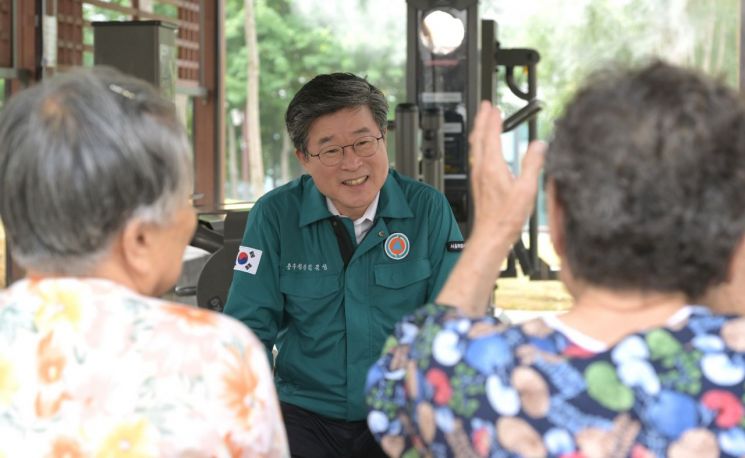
{"x":80,"y":155}
{"x":649,"y":168}
{"x":326,"y":94}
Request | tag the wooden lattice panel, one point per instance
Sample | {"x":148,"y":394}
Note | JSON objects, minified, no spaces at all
{"x":70,"y":32}
{"x":72,"y":26}
{"x":188,"y":41}
{"x":6,"y":42}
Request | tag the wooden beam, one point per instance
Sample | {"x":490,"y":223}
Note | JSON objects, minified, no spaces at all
{"x":209,"y":115}
{"x":6,"y":41}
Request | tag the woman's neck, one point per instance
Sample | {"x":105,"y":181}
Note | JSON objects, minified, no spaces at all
{"x":609,"y":315}
{"x":108,"y":269}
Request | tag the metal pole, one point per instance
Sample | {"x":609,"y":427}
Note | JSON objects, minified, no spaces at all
{"x":488,"y":59}
{"x":406,"y":130}
{"x":411,"y":53}
{"x":532,"y":135}
{"x":433,"y":147}
{"x":741,"y":43}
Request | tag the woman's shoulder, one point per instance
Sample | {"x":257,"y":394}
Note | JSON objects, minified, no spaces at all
{"x":87,"y":305}
{"x":202,"y":322}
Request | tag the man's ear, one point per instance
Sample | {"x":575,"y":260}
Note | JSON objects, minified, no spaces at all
{"x":302,"y":159}
{"x":555,"y":220}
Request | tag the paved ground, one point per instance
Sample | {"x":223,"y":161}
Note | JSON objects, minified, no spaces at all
{"x":521,"y":293}
{"x":522,"y":299}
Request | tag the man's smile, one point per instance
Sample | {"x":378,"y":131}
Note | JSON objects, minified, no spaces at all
{"x":355,"y":181}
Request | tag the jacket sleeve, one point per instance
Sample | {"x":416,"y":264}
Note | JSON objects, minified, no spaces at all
{"x":254,"y":298}
{"x":443,"y":228}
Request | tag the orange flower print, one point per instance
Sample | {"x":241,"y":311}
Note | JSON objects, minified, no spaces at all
{"x":192,"y":315}
{"x":46,"y":407}
{"x":240,"y":383}
{"x":64,"y":447}
{"x":129,"y":440}
{"x":235,"y":450}
{"x":51,"y":361}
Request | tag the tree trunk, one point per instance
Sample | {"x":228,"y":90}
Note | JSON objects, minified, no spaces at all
{"x":232,"y":190}
{"x":284,"y":158}
{"x":253,"y":130}
{"x":245,"y":162}
{"x":144,"y":5}
{"x":708,"y":46}
{"x":722,"y":46}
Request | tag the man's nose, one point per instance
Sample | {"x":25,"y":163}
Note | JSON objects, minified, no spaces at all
{"x":349,"y":159}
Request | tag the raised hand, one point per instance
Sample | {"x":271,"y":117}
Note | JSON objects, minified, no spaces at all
{"x":502,"y":204}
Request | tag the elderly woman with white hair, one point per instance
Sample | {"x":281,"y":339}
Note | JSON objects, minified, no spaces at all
{"x":95,"y":187}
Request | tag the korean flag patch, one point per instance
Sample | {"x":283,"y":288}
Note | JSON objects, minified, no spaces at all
{"x":247,"y":260}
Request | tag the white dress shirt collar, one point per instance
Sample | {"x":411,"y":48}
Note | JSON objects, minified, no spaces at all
{"x":362,"y":224}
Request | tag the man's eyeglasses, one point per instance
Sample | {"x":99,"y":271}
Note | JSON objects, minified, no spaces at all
{"x":363,"y":147}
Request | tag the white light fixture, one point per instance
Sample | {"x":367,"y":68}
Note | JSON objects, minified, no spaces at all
{"x":441,"y":32}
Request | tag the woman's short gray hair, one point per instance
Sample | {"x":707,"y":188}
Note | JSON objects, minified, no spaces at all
{"x":80,"y":155}
{"x":649,"y":167}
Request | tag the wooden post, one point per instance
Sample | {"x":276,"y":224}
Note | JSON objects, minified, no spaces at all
{"x":209,"y":111}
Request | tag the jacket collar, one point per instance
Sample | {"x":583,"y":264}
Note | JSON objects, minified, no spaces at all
{"x":392,"y":203}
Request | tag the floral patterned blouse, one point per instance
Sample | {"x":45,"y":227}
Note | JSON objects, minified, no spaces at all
{"x":89,"y":368}
{"x":453,"y":386}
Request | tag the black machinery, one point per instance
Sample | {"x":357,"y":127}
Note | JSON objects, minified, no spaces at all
{"x":221,"y":239}
{"x":453,"y":61}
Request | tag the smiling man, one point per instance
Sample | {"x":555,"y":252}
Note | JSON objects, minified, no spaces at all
{"x":332,"y":260}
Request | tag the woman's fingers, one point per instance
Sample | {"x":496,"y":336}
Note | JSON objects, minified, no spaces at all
{"x":526,"y":185}
{"x":499,"y":197}
{"x":486,"y":158}
{"x":532,"y":163}
{"x":475,"y":139}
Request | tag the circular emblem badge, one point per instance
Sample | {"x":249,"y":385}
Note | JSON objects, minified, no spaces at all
{"x":397,"y":246}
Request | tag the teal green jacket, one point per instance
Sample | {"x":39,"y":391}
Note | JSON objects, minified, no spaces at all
{"x":330,"y":323}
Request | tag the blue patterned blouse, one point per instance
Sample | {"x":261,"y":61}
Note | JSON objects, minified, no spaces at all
{"x":448,"y":385}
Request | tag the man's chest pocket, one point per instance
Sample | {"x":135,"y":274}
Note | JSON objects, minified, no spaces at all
{"x":401,"y":286}
{"x":307,"y":296}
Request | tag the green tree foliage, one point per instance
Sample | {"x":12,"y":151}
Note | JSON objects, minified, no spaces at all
{"x":293,"y":48}
{"x":290,"y":51}
{"x":575,"y":38}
